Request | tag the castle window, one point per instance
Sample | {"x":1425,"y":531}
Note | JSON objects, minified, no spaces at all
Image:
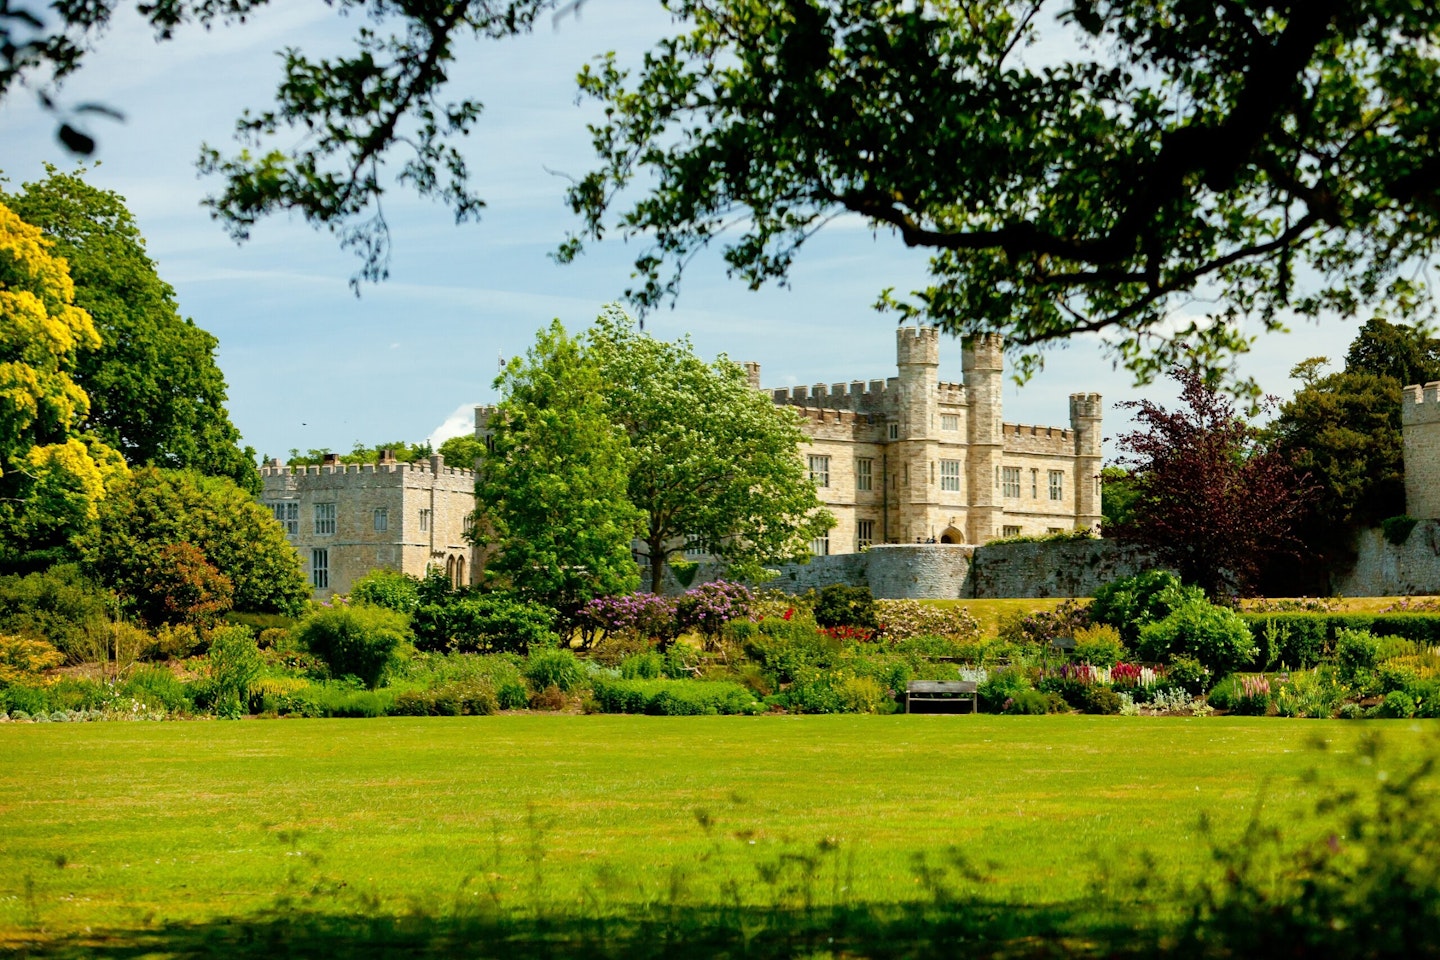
{"x":949,"y":421}
{"x":324,"y":519}
{"x":1034,"y":484}
{"x":1057,"y":484}
{"x":820,"y":470}
{"x":288,"y":514}
{"x":864,"y":533}
{"x":894,"y":431}
{"x":424,"y":521}
{"x":864,"y":472}
{"x":1054,"y":530}
{"x":820,"y":546}
{"x":382,"y":519}
{"x":320,"y":568}
{"x":950,"y":475}
{"x":1009,"y":531}
{"x":1010,"y":482}
{"x":696,"y":546}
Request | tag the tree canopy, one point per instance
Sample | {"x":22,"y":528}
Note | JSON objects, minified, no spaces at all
{"x":714,"y":462}
{"x":1210,"y":499}
{"x":552,"y":493}
{"x":52,"y":472}
{"x":146,"y":514}
{"x":1074,"y":165}
{"x":156,"y":392}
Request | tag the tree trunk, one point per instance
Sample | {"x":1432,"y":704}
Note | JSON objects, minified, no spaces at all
{"x":657,"y":566}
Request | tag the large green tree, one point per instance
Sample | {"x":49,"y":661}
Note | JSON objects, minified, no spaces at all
{"x":712,"y":459}
{"x":1271,"y":156}
{"x":146,"y":514}
{"x":551,"y":494}
{"x":156,"y":393}
{"x":52,"y":471}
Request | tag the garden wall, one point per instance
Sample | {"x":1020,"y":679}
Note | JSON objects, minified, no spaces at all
{"x":1383,"y":569}
{"x":953,"y":571}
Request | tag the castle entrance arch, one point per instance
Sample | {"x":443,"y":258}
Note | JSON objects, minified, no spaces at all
{"x":951,"y":535}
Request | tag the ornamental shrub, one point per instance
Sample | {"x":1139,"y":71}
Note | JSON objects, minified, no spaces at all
{"x":1397,"y":705}
{"x":1099,"y":645}
{"x":390,"y":589}
{"x":904,"y":619}
{"x":58,"y":605}
{"x":1189,"y":674}
{"x":1216,"y":636}
{"x":158,"y":687}
{"x":675,"y":697}
{"x":180,"y":585}
{"x":359,"y":641}
{"x":642,"y":666}
{"x":1100,"y":698}
{"x":1001,"y":686}
{"x":707,"y":608}
{"x":24,"y":660}
{"x":841,"y":605}
{"x":641,"y":616}
{"x":484,"y":623}
{"x":1130,"y":603}
{"x":553,"y":667}
{"x":232,"y":665}
{"x":1028,"y":703}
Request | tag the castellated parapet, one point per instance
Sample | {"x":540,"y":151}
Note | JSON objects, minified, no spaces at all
{"x":914,"y":457}
{"x":1420,"y":423}
{"x":346,"y":520}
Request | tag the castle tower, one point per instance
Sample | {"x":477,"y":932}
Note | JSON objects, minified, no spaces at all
{"x":913,"y":452}
{"x":982,"y":362}
{"x":1420,"y":424}
{"x":1086,"y":411}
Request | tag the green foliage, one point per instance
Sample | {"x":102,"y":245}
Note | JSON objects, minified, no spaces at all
{"x":157,"y":687}
{"x":156,"y":393}
{"x":841,"y":605}
{"x":474,"y":697}
{"x":552,"y":493}
{"x":390,"y":589}
{"x":711,"y":458}
{"x":784,"y":649}
{"x":1397,"y":529}
{"x":1002,"y":686}
{"x":1303,"y":639}
{"x":903,"y":619}
{"x":1027,"y":702}
{"x":1357,"y":653}
{"x":1099,"y":646}
{"x":1117,"y":498}
{"x":674,"y":697}
{"x":484,"y":623}
{"x":1100,"y":698}
{"x":360,"y":453}
{"x":1397,"y":705}
{"x":1189,"y":674}
{"x":58,"y":605}
{"x":1309,"y":693}
{"x":333,"y":699}
{"x":1129,"y":603}
{"x":462,"y":451}
{"x":181,"y":586}
{"x":359,"y":641}
{"x":553,"y":667}
{"x":232,"y":665}
{"x":1215,"y":636}
{"x":151,"y":509}
{"x":648,"y":665}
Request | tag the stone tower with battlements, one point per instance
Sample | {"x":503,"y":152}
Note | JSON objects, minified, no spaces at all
{"x":1420,"y":423}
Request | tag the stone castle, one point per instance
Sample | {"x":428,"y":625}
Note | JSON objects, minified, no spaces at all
{"x":1420,"y":425}
{"x":917,"y":459}
{"x":346,"y":520}
{"x":904,"y":460}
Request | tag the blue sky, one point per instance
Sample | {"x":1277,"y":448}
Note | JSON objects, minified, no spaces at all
{"x":309,"y":365}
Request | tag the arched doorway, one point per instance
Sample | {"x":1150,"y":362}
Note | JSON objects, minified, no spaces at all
{"x":460,"y":580}
{"x":951,"y":535}
{"x":450,"y":570}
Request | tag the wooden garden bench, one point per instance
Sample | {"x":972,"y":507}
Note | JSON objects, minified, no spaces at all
{"x":942,"y":691}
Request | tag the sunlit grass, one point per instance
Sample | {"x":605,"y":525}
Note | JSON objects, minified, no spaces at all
{"x":122,"y":825}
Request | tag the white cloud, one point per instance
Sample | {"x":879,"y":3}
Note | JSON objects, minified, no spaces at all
{"x":460,"y":422}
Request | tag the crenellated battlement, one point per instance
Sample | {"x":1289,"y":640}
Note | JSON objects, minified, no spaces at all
{"x":1420,"y":404}
{"x":1086,"y":406}
{"x":341,"y":473}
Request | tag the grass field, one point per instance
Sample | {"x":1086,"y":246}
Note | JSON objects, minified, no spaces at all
{"x":123,"y":830}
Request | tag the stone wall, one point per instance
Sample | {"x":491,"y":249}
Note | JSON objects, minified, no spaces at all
{"x":953,"y":571}
{"x":1383,"y":569}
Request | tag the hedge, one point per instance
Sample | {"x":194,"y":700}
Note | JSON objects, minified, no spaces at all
{"x":1305,"y":639}
{"x":674,"y":698}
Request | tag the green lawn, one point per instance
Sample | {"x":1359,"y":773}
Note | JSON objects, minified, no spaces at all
{"x":126,"y":827}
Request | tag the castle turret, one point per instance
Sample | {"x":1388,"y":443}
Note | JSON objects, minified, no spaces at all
{"x":1420,"y":423}
{"x":912,"y":455}
{"x":1086,"y":411}
{"x":982,"y":362}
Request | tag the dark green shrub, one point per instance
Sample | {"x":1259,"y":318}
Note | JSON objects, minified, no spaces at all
{"x":59,"y":606}
{"x":840,"y":605}
{"x":1216,"y":636}
{"x":1387,"y":648}
{"x":1225,"y":693}
{"x":681,"y":661}
{"x":337,"y":699}
{"x":1189,"y":674}
{"x":1426,"y":694}
{"x":1130,"y":603}
{"x":674,"y":697}
{"x":232,"y":665}
{"x":484,"y":623}
{"x":1028,"y":703}
{"x":553,"y":667}
{"x":642,"y":666}
{"x":357,"y":641}
{"x":1397,"y":529}
{"x":1001,"y":686}
{"x":1303,"y":639}
{"x":1355,"y":650}
{"x":1101,"y":698}
{"x":28,"y":700}
{"x":467,"y":698}
{"x":784,"y":649}
{"x":1070,"y":690}
{"x":1397,"y":705}
{"x":390,"y":589}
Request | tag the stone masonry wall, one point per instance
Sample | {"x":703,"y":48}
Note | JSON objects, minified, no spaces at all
{"x":1383,"y":569}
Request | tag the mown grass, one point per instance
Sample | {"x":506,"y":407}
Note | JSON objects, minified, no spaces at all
{"x":128,"y":828}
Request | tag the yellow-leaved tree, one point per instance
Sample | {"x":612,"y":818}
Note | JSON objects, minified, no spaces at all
{"x":52,"y":474}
